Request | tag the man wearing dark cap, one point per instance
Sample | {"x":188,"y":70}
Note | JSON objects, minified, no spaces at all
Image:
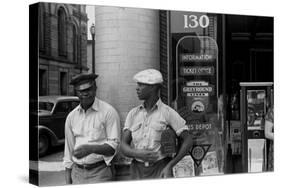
{"x":92,"y":135}
{"x":144,"y":126}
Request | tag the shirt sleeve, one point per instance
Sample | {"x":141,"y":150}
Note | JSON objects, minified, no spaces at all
{"x":176,"y":121}
{"x":113,"y":132}
{"x":128,"y":121}
{"x":69,"y":144}
{"x":269,"y":115}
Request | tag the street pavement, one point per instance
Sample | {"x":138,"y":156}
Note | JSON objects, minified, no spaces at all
{"x":51,"y":170}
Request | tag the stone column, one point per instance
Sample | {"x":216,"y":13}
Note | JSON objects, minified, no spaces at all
{"x":127,"y":41}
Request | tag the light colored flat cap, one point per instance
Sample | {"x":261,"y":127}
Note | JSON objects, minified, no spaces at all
{"x":149,"y":76}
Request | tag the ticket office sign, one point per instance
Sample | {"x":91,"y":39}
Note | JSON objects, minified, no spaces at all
{"x":200,"y":70}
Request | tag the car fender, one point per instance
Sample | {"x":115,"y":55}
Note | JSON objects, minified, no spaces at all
{"x":49,"y":132}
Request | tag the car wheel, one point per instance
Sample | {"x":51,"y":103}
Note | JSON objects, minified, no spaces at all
{"x":43,"y":145}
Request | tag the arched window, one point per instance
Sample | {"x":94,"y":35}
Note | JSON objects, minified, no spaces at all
{"x":62,"y":32}
{"x":74,"y":43}
{"x":41,"y":27}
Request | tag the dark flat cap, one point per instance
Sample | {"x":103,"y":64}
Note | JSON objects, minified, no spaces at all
{"x":83,"y":80}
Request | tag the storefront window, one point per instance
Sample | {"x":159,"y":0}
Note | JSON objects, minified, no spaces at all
{"x":195,"y":93}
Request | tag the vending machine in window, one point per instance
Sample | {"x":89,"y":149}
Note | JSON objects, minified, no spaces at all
{"x":255,"y":99}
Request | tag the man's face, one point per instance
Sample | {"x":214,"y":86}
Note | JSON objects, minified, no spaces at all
{"x":87,"y":96}
{"x":144,"y":91}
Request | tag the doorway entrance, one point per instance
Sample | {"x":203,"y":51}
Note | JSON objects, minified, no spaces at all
{"x":248,"y":58}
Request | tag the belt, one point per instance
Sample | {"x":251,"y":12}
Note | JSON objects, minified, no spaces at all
{"x":147,"y":164}
{"x":90,"y":166}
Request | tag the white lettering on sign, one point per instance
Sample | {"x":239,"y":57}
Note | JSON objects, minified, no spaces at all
{"x":186,"y":71}
{"x":193,"y":21}
{"x":200,"y":126}
{"x":197,"y":94}
{"x":196,"y":57}
{"x":197,"y":83}
{"x":197,"y":89}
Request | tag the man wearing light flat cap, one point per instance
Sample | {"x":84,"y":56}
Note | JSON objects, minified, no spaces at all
{"x":143,"y":128}
{"x":92,"y":135}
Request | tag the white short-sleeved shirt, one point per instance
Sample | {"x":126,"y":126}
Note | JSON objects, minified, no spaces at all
{"x":100,"y":124}
{"x":146,"y":128}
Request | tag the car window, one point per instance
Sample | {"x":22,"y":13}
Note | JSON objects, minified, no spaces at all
{"x":62,"y":107}
{"x":46,"y":106}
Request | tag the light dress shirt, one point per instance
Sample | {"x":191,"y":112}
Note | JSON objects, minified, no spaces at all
{"x":100,"y":124}
{"x":146,"y":128}
{"x":269,"y":115}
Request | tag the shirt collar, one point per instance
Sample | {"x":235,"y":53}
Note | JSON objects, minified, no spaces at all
{"x":157,"y":105}
{"x":95,"y":106}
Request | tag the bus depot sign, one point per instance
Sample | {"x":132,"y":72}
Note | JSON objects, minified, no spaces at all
{"x":197,"y":95}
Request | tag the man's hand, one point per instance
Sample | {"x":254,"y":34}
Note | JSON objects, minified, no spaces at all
{"x":166,"y":172}
{"x":147,"y":155}
{"x":82,"y":151}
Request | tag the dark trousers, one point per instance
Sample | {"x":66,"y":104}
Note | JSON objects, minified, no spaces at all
{"x":138,"y":169}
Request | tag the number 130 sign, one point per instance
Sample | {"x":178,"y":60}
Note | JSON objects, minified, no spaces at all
{"x":194,"y":21}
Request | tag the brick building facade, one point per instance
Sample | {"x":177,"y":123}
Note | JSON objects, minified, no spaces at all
{"x":62,"y":46}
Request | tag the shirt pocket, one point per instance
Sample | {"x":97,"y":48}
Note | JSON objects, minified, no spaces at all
{"x":97,"y":134}
{"x":136,"y":132}
{"x":156,"y":131}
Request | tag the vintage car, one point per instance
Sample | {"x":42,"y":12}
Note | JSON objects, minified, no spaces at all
{"x":52,"y":113}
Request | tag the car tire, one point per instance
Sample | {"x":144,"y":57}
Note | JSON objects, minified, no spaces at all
{"x":43,"y":145}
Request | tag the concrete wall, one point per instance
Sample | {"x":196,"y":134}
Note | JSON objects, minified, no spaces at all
{"x":127,"y":41}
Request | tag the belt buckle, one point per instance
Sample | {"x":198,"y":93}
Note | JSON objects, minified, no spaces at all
{"x":146,"y":164}
{"x":84,"y":167}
